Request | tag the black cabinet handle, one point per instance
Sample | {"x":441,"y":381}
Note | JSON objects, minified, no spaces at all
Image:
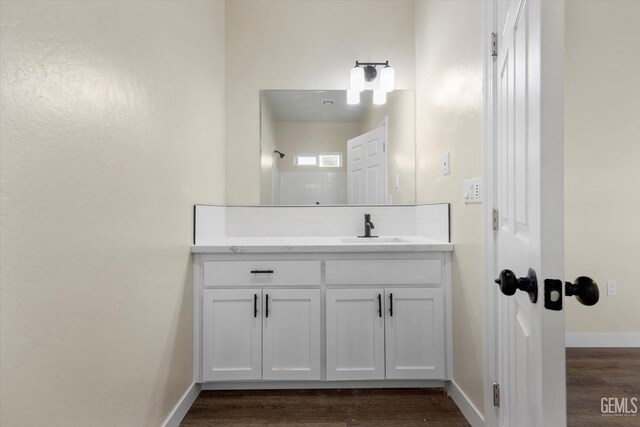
{"x":266,"y":310}
{"x":391,"y":305}
{"x":379,"y":305}
{"x":261,"y":271}
{"x":255,"y":305}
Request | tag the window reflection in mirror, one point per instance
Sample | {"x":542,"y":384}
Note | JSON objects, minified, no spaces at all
{"x":319,"y":150}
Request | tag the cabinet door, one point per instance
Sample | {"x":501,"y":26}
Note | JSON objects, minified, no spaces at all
{"x":414,"y":331}
{"x":355,"y":334}
{"x":291,"y":334}
{"x":232,"y":332}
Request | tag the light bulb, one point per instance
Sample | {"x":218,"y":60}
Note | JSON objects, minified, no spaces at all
{"x":353,"y":97}
{"x":357,"y":79}
{"x":387,"y":79}
{"x":379,"y":96}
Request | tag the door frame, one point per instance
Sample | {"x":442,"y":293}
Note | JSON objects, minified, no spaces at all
{"x":488,"y":185}
{"x":552,"y":18}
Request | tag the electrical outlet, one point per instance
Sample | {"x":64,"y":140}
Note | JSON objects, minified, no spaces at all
{"x":472,"y":191}
{"x":612,"y":288}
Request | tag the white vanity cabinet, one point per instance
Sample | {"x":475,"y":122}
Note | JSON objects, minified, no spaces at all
{"x":255,"y":334}
{"x":400,"y":318}
{"x":355,"y":319}
{"x":232,"y":335}
{"x":355,"y":334}
{"x":414,"y":333}
{"x":270,"y":332}
{"x":402,"y":326}
{"x":291,"y":334}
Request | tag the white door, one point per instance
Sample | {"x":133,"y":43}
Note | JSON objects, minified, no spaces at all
{"x":527,"y":183}
{"x":291,"y":334}
{"x":414,"y":332}
{"x":355,"y":334}
{"x":367,"y":168}
{"x":232,"y":335}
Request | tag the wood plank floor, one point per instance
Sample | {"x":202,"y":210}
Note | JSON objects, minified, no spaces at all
{"x":325,"y":408}
{"x":592,"y":373}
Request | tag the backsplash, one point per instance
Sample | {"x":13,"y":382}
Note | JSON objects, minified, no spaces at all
{"x":214,"y":222}
{"x":432,"y":221}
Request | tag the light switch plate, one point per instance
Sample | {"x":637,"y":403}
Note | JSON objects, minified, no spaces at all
{"x":472,"y":190}
{"x":446,"y":160}
{"x":612,"y":288}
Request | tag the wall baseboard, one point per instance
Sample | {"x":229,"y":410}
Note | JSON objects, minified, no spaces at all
{"x":603,"y":339}
{"x":468,"y":409}
{"x":182,"y":407}
{"x":304,"y":385}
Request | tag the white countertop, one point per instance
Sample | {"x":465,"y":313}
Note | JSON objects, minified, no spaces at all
{"x":321,"y":244}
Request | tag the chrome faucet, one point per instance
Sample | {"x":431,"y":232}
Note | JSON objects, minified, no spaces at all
{"x":368,"y":226}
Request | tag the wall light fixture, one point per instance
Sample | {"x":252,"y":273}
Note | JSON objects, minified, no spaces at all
{"x":366,"y":72}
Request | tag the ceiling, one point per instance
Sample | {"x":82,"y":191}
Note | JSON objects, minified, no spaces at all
{"x":307,"y":105}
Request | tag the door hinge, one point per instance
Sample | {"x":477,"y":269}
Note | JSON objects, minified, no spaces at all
{"x":384,"y":146}
{"x":494,"y":45}
{"x":494,"y":219}
{"x":496,"y":395}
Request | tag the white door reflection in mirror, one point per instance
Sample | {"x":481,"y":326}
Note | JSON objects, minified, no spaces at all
{"x":367,"y":168}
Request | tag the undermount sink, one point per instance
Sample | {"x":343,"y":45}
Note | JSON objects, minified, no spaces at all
{"x":369,"y":240}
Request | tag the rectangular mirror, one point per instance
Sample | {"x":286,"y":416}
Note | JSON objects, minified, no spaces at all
{"x":316,"y":149}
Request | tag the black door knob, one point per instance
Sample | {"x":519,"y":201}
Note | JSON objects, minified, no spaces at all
{"x":509,"y":284}
{"x":585,"y":289}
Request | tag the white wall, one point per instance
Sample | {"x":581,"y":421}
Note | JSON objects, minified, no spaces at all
{"x":448,"y":118}
{"x":112,"y":126}
{"x":602,"y":157}
{"x":292,"y":44}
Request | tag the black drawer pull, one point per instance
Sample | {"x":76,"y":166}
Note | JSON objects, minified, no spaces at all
{"x":391,"y":305}
{"x":261,"y":271}
{"x":379,"y":305}
{"x":266,"y":310}
{"x":255,"y":305}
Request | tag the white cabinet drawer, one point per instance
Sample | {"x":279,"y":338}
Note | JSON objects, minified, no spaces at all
{"x":287,"y":273}
{"x":384,"y":272}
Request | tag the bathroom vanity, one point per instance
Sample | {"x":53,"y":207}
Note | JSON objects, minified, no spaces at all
{"x":311,"y":312}
{"x":275,"y":307}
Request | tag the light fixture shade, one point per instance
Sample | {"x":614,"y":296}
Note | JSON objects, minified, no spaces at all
{"x":387,"y":79}
{"x":357,"y":79}
{"x":379,"y":96}
{"x":353,"y":97}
